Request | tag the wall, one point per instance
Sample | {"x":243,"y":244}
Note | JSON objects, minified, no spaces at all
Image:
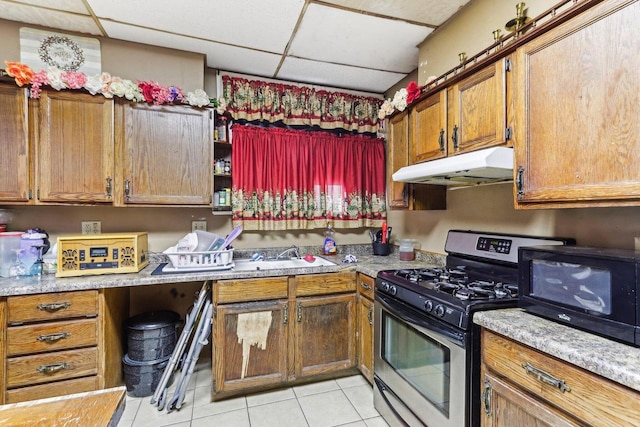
{"x":490,"y":208}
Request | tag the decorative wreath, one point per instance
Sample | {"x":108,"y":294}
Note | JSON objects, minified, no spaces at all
{"x":61,"y":52}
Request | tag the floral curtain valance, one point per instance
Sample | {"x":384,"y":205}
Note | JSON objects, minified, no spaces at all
{"x":253,"y":100}
{"x":290,"y":179}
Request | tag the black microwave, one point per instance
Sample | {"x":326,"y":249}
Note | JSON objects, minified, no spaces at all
{"x":588,"y":288}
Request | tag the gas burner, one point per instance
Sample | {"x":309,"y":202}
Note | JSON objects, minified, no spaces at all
{"x":505,"y":290}
{"x":447,"y":287}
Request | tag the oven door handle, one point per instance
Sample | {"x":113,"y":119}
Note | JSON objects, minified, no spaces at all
{"x":405,"y":313}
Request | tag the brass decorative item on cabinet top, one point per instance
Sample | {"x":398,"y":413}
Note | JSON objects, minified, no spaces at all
{"x":462,"y":56}
{"x":521,"y":18}
{"x":497,"y":35}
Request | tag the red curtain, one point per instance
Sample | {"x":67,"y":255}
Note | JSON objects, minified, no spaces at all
{"x":288,"y":179}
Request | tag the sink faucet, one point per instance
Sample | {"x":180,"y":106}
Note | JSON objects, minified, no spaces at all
{"x":293,"y":252}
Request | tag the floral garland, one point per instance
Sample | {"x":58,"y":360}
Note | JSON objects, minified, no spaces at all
{"x":402,"y":98}
{"x":109,"y":86}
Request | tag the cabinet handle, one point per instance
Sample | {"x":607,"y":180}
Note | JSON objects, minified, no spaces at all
{"x":285,"y":314}
{"x":454,"y":137}
{"x":53,"y":306}
{"x":370,"y":315}
{"x":54,"y":337}
{"x":127,"y":189}
{"x":441,"y":140}
{"x":299,"y":312}
{"x":364,"y":285}
{"x":546,"y":377}
{"x":520,"y":181}
{"x":54,"y":367}
{"x":486,"y":397}
{"x":108,"y":188}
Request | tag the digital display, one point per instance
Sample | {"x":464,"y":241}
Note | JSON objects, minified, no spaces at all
{"x":98,"y":252}
{"x":490,"y":244}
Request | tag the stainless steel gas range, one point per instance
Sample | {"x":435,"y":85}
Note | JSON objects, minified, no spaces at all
{"x":427,"y":355}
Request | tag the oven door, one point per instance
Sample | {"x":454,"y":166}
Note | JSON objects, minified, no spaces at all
{"x":420,"y":367}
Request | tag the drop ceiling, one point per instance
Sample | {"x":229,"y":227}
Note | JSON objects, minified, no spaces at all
{"x":366,"y":45}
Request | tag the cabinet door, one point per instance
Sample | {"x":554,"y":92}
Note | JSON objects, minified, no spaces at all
{"x":577,"y":127}
{"x":166,"y":155}
{"x":506,"y":406}
{"x":74,"y":148}
{"x":250,"y":345}
{"x":429,"y":140}
{"x":14,"y":139}
{"x":397,"y":157}
{"x":325,"y":338}
{"x":365,"y":337}
{"x":477,"y":110}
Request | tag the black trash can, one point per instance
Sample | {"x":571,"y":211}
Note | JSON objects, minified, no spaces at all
{"x":152,"y":336}
{"x":142,"y":378}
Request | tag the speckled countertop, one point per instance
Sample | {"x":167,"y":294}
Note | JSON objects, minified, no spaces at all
{"x":609,"y":359}
{"x":368,"y":264}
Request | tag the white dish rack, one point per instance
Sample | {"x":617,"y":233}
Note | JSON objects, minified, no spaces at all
{"x":200,"y":261}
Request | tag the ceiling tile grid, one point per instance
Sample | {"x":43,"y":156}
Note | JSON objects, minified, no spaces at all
{"x":350,"y":44}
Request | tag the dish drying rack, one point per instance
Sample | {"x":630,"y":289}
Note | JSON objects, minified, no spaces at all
{"x":200,"y":261}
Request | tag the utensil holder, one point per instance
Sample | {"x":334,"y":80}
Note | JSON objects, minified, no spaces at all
{"x":381,"y":248}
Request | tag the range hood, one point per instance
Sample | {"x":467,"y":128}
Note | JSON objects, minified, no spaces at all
{"x":489,"y":165}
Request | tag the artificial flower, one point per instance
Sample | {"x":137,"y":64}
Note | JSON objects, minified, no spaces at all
{"x":399,"y":101}
{"x":385,"y":109}
{"x":54,"y":75}
{"x":222,"y":105}
{"x":74,"y":80}
{"x":22,"y":73}
{"x":40,"y":78}
{"x":413,"y":92}
{"x":93,"y":84}
{"x":199,"y":98}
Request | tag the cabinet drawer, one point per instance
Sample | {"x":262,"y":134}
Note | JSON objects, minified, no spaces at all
{"x":227,"y":291}
{"x":590,"y":398}
{"x":62,"y":305}
{"x":59,"y":365}
{"x":320,"y":284}
{"x":51,"y":336}
{"x":58,"y":388}
{"x":366,"y":285}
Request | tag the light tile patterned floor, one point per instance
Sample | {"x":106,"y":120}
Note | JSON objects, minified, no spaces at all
{"x":343,"y":402}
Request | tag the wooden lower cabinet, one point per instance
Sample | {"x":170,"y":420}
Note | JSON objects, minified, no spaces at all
{"x":364,"y":326}
{"x":274,"y":331}
{"x":522,"y":386}
{"x":61,"y":343}
{"x":325,"y":334}
{"x":250,"y":344}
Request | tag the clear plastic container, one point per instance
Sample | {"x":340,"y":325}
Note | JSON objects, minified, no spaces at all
{"x":9,"y":242}
{"x":407,"y":250}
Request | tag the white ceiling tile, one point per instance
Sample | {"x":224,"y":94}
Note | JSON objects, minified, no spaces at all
{"x":48,"y":18}
{"x":76,"y":6}
{"x":218,"y":55}
{"x":337,"y":75}
{"x":432,"y":12}
{"x":263,"y":25}
{"x":339,"y":36}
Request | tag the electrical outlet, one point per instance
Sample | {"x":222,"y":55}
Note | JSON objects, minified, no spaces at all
{"x":636,"y":242}
{"x":198,"y":225}
{"x":91,"y":227}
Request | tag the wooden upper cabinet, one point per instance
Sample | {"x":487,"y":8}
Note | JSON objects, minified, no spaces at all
{"x":578,"y":133}
{"x":74,"y":148}
{"x":429,"y":139}
{"x":397,"y":157}
{"x":14,"y":138}
{"x":165,"y":155}
{"x":477,"y":110}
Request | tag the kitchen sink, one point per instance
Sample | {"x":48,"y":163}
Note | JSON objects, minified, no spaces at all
{"x":275,"y":264}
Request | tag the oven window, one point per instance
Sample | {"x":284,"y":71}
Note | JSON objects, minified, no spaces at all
{"x":581,"y":286}
{"x":421,"y":361}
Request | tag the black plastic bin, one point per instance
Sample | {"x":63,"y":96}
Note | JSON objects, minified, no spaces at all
{"x":142,"y":378}
{"x":152,"y":336}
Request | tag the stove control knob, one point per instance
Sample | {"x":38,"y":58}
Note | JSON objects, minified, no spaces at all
{"x":439,"y":310}
{"x":428,"y":305}
{"x":393,"y":290}
{"x":385,"y":287}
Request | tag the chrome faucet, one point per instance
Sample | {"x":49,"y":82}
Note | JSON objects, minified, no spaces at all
{"x":293,"y":252}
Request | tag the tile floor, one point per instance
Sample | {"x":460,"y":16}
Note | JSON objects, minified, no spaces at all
{"x":342,"y":402}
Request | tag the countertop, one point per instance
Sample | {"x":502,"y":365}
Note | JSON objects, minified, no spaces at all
{"x":368,"y":264}
{"x":609,"y":359}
